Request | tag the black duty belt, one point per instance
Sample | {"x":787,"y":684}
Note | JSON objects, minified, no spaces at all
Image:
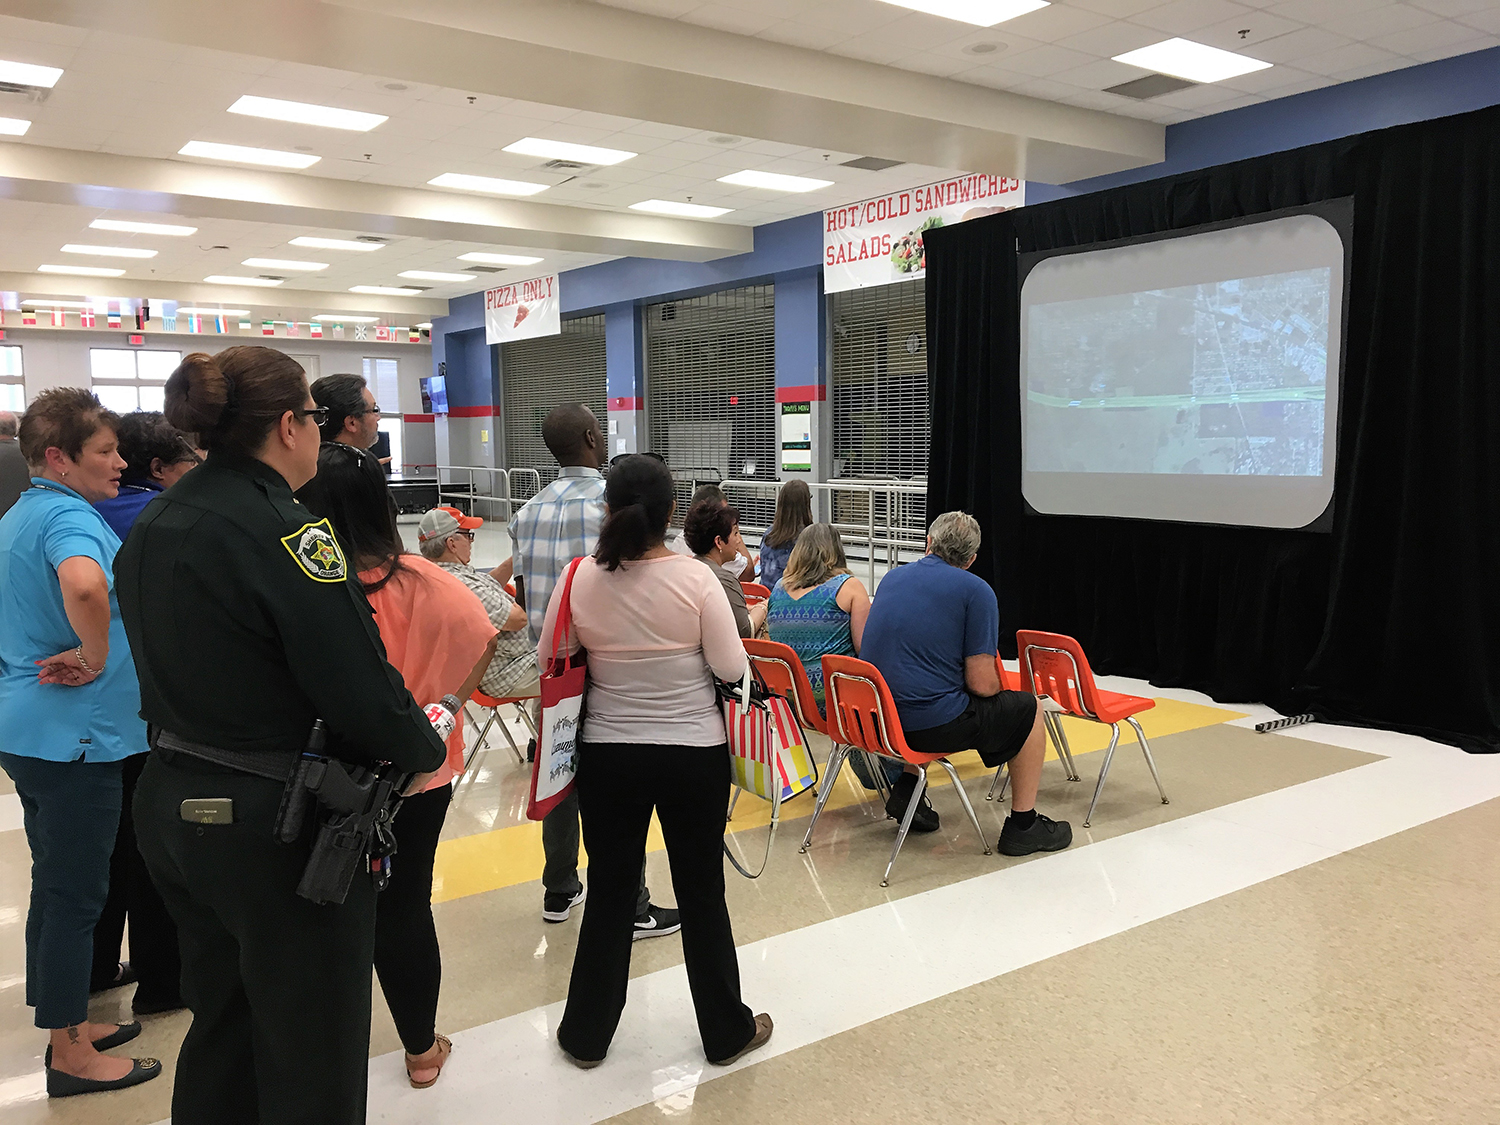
{"x":274,"y":765}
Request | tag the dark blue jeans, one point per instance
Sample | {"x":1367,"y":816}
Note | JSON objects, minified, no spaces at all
{"x":71,"y":811}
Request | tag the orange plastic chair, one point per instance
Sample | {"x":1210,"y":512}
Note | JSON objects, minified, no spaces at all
{"x":862,"y":716}
{"x":781,"y":669}
{"x":493,"y":705}
{"x":1013,"y":681}
{"x":755,"y":593}
{"x":1056,"y":666}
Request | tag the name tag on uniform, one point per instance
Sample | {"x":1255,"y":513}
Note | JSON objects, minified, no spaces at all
{"x":207,"y":810}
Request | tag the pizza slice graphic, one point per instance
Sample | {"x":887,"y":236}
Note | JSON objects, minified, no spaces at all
{"x":522,"y":312}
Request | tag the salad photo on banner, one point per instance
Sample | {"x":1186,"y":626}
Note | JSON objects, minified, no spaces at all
{"x":880,"y":241}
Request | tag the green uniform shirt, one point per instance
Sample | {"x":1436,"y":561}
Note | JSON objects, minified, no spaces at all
{"x":246,"y":623}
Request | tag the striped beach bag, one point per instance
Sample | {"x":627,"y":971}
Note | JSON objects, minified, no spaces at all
{"x":768,"y":754}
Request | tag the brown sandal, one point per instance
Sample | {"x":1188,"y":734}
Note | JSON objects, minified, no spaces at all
{"x":444,"y":1047}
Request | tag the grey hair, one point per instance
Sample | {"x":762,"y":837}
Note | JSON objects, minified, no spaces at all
{"x":9,"y":424}
{"x":433,"y":548}
{"x":955,"y":538}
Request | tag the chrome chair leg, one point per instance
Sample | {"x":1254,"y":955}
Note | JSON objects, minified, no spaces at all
{"x":906,"y":819}
{"x":1064,"y":751}
{"x":995,"y":781}
{"x":968,"y":807}
{"x":514,"y":749}
{"x":835,"y":762}
{"x":1140,"y":737}
{"x":489,"y":721}
{"x":734,"y":799}
{"x":1114,"y":740}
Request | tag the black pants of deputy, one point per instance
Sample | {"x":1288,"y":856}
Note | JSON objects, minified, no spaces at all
{"x":688,"y":786}
{"x":153,"y":937}
{"x":407,"y":959}
{"x":279,"y":987}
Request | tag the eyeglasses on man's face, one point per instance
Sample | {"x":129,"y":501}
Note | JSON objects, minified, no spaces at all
{"x":466,"y":533}
{"x":319,"y":414}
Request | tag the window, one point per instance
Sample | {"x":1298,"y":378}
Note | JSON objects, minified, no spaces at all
{"x":380,"y":374}
{"x":12,"y":385}
{"x":128,"y":379}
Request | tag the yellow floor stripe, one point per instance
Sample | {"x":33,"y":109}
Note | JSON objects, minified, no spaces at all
{"x":504,"y":857}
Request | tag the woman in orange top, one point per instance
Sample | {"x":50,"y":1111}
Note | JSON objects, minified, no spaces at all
{"x":438,"y":636}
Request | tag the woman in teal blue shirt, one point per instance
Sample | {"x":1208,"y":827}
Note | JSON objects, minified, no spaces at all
{"x":69,"y":714}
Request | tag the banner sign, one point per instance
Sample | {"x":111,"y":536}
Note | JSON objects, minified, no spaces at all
{"x":879,"y":241}
{"x":522,"y":310}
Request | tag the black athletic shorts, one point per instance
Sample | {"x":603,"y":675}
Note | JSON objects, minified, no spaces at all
{"x":995,"y":725}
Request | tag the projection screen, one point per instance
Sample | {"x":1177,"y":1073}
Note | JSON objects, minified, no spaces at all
{"x":1192,"y":377}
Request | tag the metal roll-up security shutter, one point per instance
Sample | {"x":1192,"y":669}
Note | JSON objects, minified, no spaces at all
{"x":711,"y":393}
{"x":881,"y":424}
{"x":546,"y":372}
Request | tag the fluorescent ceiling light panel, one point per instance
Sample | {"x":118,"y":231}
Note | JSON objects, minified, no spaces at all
{"x":109,"y":251}
{"x":1197,"y":62}
{"x":981,"y":13}
{"x":312,"y":243}
{"x":13,"y":126}
{"x":182,"y":311}
{"x":227,"y":279}
{"x":284,"y":264}
{"x":306,"y":113}
{"x":46,"y":303}
{"x":142,"y":228}
{"x":427,"y":324}
{"x":683,"y":210}
{"x":346,"y":319}
{"x":29,"y":74}
{"x":562,"y":150}
{"x":82,"y":271}
{"x":385,"y":290}
{"x":434,"y":275}
{"x":240,"y":154}
{"x":774,"y":181}
{"x":499,"y":259}
{"x":486,"y":184}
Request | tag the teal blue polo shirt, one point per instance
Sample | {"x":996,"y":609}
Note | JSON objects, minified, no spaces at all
{"x":99,"y":721}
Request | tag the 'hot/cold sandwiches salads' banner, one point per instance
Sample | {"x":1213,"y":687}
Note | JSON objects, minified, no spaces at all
{"x":522,"y":310}
{"x":879,"y":241}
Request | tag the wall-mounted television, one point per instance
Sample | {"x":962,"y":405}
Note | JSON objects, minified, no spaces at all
{"x":435,"y":391}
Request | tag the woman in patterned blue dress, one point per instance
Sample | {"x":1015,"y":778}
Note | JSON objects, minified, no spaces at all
{"x":818,"y":607}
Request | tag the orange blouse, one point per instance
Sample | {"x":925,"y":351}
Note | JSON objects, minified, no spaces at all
{"x":435,"y":630}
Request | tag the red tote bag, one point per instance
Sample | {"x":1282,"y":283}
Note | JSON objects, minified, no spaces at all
{"x":563,"y":683}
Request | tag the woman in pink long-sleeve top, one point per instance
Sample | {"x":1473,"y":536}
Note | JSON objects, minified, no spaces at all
{"x":657,"y":628}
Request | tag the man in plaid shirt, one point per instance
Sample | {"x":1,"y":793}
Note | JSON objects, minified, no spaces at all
{"x":557,"y":525}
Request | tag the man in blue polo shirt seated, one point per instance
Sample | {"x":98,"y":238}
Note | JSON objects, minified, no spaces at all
{"x":933,"y":631}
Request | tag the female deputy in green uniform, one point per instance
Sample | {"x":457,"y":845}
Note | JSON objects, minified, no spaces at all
{"x":245,"y":628}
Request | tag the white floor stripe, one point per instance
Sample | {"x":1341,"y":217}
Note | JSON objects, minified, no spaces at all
{"x":943,"y":940}
{"x":10,"y":812}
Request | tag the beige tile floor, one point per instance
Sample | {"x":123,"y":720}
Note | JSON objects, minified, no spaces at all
{"x":1255,"y":1004}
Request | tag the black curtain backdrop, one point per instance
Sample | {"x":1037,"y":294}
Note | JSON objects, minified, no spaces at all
{"x":1389,"y":620}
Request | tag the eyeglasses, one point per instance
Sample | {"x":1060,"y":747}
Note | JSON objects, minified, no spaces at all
{"x":469,"y":535}
{"x":318,"y":414}
{"x":365,"y":410}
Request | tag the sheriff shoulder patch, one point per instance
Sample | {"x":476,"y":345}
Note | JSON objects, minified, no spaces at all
{"x":317,"y":552}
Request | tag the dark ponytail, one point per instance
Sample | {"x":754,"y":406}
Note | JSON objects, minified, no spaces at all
{"x":638,"y":494}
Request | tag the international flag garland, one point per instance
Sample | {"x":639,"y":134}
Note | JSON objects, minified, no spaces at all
{"x":86,"y":318}
{"x":169,"y":321}
{"x":59,"y":318}
{"x":291,"y":328}
{"x":414,"y":335}
{"x":28,"y":318}
{"x":268,"y":328}
{"x":114,"y":320}
{"x":315,"y":330}
{"x":244,"y":325}
{"x":195,"y":323}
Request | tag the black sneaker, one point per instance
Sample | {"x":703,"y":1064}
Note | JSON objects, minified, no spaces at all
{"x":531,"y":749}
{"x":925,"y":819}
{"x":658,"y":921}
{"x":1044,"y":835}
{"x":556,"y":908}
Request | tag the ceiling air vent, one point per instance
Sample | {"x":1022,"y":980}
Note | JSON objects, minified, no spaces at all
{"x":269,"y":276}
{"x":872,"y":163}
{"x":483,"y":269}
{"x":36,"y":94}
{"x":1151,"y":86}
{"x":565,"y":166}
{"x":371,"y":238}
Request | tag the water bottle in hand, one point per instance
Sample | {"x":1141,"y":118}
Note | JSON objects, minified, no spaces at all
{"x":443,"y":715}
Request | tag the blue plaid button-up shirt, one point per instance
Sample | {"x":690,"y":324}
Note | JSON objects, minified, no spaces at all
{"x":556,"y":526}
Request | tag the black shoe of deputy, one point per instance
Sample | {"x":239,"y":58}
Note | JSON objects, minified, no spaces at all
{"x":1043,"y":835}
{"x":925,"y":819}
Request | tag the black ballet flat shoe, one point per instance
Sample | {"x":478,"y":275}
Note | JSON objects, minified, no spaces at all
{"x":122,"y":1034}
{"x":123,"y":975}
{"x":60,"y":1085}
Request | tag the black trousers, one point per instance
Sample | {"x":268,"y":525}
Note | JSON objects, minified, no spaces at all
{"x":688,"y":786}
{"x":407,"y":959}
{"x":279,"y":986}
{"x":153,"y":937}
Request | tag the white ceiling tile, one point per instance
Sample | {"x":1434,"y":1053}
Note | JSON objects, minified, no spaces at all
{"x":1100,"y":75}
{"x":1183,"y":17}
{"x":1046,"y":88}
{"x":850,"y":17}
{"x":1054,"y":22}
{"x":14,"y":29}
{"x":1299,"y":44}
{"x":1375,"y":22}
{"x":1370,"y":69}
{"x":798,"y":34}
{"x":1322,"y":11}
{"x":869,"y":48}
{"x":1433,"y":54}
{"x":1260,"y":27}
{"x":1040,"y":62}
{"x":1345,"y":58}
{"x":992,"y":77}
{"x":1264,"y":81}
{"x":942,"y":66}
{"x":1116,"y":9}
{"x":671,"y":9}
{"x":1453,"y":9}
{"x":1487,"y":21}
{"x":1433,"y":36}
{"x":1111,"y":39}
{"x":723,"y":17}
